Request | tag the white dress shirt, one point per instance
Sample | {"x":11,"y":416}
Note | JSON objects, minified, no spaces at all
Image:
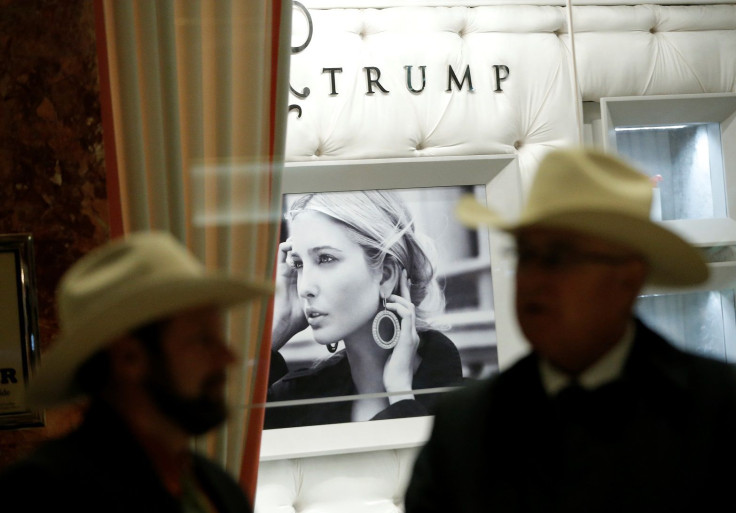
{"x":607,"y":368}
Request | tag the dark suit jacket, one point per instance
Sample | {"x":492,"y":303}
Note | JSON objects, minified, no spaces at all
{"x":101,"y":467}
{"x":662,"y":438}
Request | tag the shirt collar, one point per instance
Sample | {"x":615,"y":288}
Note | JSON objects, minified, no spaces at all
{"x":171,"y":468}
{"x":606,"y":369}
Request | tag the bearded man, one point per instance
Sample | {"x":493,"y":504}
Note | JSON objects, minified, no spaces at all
{"x":142,"y":336}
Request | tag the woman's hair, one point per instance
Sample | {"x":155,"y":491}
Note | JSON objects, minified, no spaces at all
{"x":381,"y":224}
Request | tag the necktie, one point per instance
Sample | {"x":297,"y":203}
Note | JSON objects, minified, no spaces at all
{"x":578,"y":405}
{"x":572,"y":399}
{"x":600,"y":408}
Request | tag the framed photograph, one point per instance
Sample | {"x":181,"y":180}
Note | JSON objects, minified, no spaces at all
{"x":19,"y":346}
{"x":329,"y":363}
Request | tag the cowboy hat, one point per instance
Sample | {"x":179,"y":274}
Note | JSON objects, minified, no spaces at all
{"x":597,"y":194}
{"x":119,"y":287}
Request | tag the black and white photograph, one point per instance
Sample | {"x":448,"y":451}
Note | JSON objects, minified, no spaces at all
{"x":384,"y":300}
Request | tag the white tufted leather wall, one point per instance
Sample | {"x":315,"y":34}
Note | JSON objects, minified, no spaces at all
{"x":535,"y":110}
{"x":363,"y":482}
{"x":654,"y":49}
{"x":620,"y":50}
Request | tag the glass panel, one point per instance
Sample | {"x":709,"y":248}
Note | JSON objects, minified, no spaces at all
{"x":685,"y":161}
{"x":719,"y":253}
{"x":340,"y":409}
{"x":698,"y":322}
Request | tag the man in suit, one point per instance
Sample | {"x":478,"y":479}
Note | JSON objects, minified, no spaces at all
{"x":142,"y":336}
{"x":603,"y":415}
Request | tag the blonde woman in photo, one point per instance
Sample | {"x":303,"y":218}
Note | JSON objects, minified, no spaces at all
{"x":355,"y":270}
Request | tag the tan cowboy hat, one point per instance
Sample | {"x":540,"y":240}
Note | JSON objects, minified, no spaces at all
{"x":122,"y":286}
{"x":597,"y":194}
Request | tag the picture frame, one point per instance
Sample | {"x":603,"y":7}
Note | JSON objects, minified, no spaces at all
{"x":495,"y":180}
{"x":19,"y":343}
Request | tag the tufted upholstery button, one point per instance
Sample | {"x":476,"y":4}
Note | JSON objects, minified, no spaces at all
{"x":653,"y":30}
{"x":518,"y":144}
{"x":419,"y":146}
{"x":318,"y":152}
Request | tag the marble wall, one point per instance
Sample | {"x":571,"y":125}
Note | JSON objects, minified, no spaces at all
{"x":52,"y":171}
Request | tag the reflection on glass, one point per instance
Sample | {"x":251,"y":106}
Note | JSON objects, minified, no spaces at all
{"x":719,"y":253}
{"x":685,"y":161}
{"x":698,"y":322}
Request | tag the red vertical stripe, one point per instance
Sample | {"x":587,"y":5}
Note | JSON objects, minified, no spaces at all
{"x":251,"y":453}
{"x":114,"y":204}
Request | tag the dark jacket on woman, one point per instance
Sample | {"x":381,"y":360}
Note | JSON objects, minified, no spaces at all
{"x":440,"y":367}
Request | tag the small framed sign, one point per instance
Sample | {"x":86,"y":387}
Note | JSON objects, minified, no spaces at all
{"x":19,"y":345}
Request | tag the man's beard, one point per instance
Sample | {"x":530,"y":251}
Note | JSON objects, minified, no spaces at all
{"x":195,"y":415}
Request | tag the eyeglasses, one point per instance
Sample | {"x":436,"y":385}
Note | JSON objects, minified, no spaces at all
{"x":563,"y":258}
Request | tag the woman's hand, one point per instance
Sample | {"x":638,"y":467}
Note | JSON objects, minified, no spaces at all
{"x":398,"y":373}
{"x":288,"y":315}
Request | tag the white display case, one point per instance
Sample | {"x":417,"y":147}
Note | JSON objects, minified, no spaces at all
{"x":689,"y":141}
{"x":687,"y":145}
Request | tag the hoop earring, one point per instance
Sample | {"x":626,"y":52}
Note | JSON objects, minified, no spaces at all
{"x":332,"y":347}
{"x":380,"y":316}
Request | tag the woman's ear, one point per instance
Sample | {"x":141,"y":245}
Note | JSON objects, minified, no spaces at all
{"x":391,"y":272}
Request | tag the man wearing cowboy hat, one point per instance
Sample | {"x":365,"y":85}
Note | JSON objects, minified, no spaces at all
{"x":603,"y":415}
{"x":142,"y":336}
